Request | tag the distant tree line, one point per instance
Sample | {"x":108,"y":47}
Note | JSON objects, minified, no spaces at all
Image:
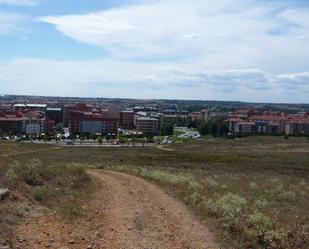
{"x":214,"y":127}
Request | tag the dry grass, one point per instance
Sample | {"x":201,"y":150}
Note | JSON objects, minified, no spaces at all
{"x":37,"y":185}
{"x":253,"y":192}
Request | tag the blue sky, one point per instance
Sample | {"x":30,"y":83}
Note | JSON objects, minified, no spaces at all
{"x":245,"y":50}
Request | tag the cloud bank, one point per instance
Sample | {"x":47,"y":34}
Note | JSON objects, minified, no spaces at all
{"x":224,"y":34}
{"x":151,"y":80}
{"x":202,"y":49}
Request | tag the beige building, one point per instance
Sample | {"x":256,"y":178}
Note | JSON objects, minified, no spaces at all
{"x":147,"y":125}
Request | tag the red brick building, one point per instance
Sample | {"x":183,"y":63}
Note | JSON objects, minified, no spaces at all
{"x":88,"y":119}
{"x":127,"y":120}
{"x":28,"y":122}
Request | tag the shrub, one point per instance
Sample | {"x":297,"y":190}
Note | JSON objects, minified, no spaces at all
{"x":163,"y":177}
{"x":29,"y":173}
{"x":193,"y":199}
{"x":261,"y":203}
{"x":39,"y":193}
{"x":231,"y":208}
{"x":302,"y":183}
{"x":77,"y":175}
{"x":264,"y":230}
{"x":253,"y":186}
{"x":70,"y":210}
{"x":211,"y":207}
{"x":194,"y":185}
{"x":211,"y":183}
{"x":287,"y":196}
{"x":11,"y":174}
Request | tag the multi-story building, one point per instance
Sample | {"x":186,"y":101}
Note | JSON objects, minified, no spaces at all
{"x":87,"y":119}
{"x":269,"y":123}
{"x":244,"y":127}
{"x":54,"y":114}
{"x":127,"y":120}
{"x":29,"y":123}
{"x":6,"y":108}
{"x":11,"y":122}
{"x":295,"y":126}
{"x":147,"y":125}
{"x":65,"y":112}
{"x":175,"y":113}
{"x":197,"y":115}
{"x":30,"y":107}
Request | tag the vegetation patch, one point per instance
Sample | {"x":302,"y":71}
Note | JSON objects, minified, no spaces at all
{"x":252,"y":192}
{"x":61,"y":187}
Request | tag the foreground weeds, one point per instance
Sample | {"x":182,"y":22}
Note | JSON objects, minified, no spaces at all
{"x":60,"y":187}
{"x":244,"y":219}
{"x":252,"y":192}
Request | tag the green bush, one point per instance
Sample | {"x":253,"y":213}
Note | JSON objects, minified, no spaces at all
{"x":253,"y":186}
{"x":11,"y":174}
{"x":211,"y":207}
{"x":210,"y":183}
{"x":163,"y":176}
{"x":39,"y":193}
{"x":30,"y":173}
{"x":261,"y":203}
{"x":231,"y":207}
{"x":264,"y":230}
{"x":193,"y":199}
{"x":287,"y":196}
{"x":194,"y":185}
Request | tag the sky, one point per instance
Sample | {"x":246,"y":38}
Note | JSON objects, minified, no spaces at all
{"x":239,"y":50}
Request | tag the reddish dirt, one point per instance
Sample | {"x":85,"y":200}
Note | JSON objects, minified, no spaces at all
{"x":126,"y":212}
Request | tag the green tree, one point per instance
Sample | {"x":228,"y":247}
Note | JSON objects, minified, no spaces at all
{"x":167,"y":130}
{"x":121,"y":139}
{"x":150,"y":139}
{"x":203,"y":129}
{"x":59,"y":127}
{"x":100,"y":140}
{"x":213,"y":128}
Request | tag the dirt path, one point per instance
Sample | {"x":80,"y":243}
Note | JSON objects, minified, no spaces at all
{"x":160,"y":147}
{"x":127,"y":213}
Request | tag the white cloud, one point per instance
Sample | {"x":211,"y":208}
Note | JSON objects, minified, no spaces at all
{"x":11,"y":23}
{"x":110,"y":78}
{"x":219,"y":34}
{"x":201,"y":49}
{"x":18,"y":2}
{"x":297,"y":16}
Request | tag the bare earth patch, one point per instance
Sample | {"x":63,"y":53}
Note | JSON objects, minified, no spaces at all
{"x":125,"y":212}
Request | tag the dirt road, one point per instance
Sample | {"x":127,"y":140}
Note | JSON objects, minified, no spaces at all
{"x":126,"y":213}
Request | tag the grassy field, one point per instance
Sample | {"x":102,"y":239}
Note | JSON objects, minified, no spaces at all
{"x":252,"y":192}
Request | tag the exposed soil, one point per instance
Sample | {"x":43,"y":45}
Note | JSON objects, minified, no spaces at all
{"x":161,"y":147}
{"x":125,"y":212}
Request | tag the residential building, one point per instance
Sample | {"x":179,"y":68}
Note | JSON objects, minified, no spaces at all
{"x":91,"y":119}
{"x":29,"y":123}
{"x":11,"y":122}
{"x":147,"y":125}
{"x":197,"y":116}
{"x":269,"y":123}
{"x":30,"y":107}
{"x":54,"y":114}
{"x":127,"y":120}
{"x":244,"y":127}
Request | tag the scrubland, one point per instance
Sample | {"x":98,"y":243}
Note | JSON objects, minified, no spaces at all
{"x":251,"y":192}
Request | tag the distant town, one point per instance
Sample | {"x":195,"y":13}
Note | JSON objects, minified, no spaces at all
{"x":52,"y":118}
